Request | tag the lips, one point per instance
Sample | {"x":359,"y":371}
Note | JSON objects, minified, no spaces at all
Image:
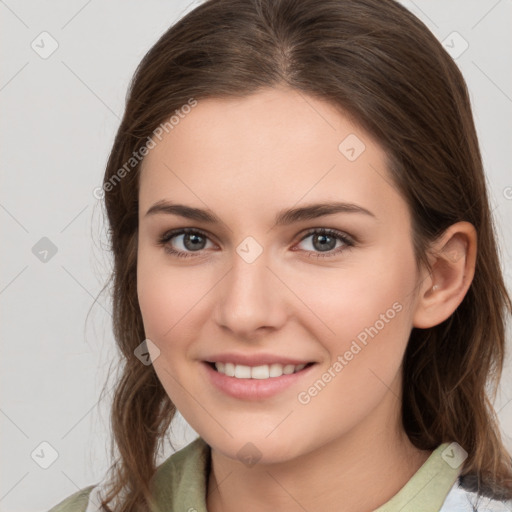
{"x":255,"y":377}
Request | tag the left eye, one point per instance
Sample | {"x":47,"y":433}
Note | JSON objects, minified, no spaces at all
{"x":325,"y":241}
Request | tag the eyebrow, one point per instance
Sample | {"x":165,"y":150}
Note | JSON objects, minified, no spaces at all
{"x":283,"y":218}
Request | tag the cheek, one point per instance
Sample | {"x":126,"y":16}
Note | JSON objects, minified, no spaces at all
{"x":170,"y":303}
{"x":367,"y":301}
{"x":167,"y":295}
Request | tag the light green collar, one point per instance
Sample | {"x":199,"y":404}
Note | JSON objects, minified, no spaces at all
{"x":181,"y":481}
{"x":428,"y":487}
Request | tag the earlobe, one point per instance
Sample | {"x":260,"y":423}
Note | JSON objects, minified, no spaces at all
{"x":453,"y":258}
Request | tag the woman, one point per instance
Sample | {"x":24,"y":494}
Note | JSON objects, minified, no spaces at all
{"x":305,"y":267}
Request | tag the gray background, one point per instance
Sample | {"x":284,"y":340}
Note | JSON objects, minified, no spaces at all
{"x":59,"y":116}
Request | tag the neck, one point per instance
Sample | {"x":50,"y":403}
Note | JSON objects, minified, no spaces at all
{"x":376,"y":454}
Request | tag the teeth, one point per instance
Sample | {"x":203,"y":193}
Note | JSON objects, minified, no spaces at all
{"x":229,"y":369}
{"x":259,"y":372}
{"x":275,"y":370}
{"x":242,"y":372}
{"x":262,"y":372}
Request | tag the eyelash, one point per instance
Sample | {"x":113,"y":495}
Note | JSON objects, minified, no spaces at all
{"x":169,"y":235}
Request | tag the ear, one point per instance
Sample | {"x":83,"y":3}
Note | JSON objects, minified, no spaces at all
{"x":452,"y":258}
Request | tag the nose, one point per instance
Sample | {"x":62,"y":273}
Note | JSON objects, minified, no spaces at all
{"x":250,"y":300}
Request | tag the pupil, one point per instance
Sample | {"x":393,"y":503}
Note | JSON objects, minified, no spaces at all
{"x":193,"y":241}
{"x":324,"y":242}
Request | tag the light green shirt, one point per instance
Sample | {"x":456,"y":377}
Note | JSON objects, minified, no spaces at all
{"x":181,"y":483}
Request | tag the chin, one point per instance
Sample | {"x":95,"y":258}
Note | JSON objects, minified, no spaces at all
{"x":258,"y":449}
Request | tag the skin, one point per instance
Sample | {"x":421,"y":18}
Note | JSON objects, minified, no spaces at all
{"x":245,"y":160}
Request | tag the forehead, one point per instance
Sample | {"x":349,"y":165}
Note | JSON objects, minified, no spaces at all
{"x":269,"y":150}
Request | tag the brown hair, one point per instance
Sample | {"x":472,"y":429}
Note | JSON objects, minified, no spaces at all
{"x":379,"y":64}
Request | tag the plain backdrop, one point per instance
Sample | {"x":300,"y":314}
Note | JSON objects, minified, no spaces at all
{"x":60,"y":112}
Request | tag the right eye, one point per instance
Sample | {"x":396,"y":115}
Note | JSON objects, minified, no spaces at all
{"x":189,"y":241}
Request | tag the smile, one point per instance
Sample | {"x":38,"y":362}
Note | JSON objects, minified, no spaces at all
{"x":258,"y":382}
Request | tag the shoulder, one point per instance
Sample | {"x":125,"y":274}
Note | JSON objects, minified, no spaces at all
{"x":181,"y":479}
{"x":460,"y":499}
{"x":77,"y":502}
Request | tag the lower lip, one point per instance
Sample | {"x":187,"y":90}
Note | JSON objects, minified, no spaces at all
{"x":254,"y":389}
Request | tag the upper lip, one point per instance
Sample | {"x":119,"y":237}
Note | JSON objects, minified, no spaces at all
{"x":255,"y":359}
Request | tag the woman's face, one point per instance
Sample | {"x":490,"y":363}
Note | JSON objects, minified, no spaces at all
{"x":257,"y":286}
